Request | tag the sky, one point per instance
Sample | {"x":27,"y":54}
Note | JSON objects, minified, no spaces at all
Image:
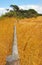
{"x":24,"y":4}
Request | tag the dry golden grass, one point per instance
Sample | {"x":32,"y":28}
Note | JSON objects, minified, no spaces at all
{"x":29,"y":34}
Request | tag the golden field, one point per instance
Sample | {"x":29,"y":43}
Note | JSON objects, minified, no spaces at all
{"x":29,"y":35}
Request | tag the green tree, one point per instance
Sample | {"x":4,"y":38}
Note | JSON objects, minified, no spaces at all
{"x":32,"y":11}
{"x":15,"y":7}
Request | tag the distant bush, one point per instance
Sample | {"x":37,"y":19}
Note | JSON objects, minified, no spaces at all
{"x":20,"y":13}
{"x":39,"y":14}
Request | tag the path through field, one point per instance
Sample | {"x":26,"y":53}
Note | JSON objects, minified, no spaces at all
{"x":29,"y":35}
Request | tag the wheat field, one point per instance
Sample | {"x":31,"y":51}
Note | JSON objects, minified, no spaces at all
{"x":29,"y":35}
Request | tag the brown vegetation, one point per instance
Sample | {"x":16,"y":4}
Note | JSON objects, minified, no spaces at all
{"x":29,"y":33}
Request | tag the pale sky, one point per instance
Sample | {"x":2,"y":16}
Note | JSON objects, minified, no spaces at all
{"x":24,"y":4}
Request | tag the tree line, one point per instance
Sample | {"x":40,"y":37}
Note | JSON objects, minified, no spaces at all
{"x":17,"y":12}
